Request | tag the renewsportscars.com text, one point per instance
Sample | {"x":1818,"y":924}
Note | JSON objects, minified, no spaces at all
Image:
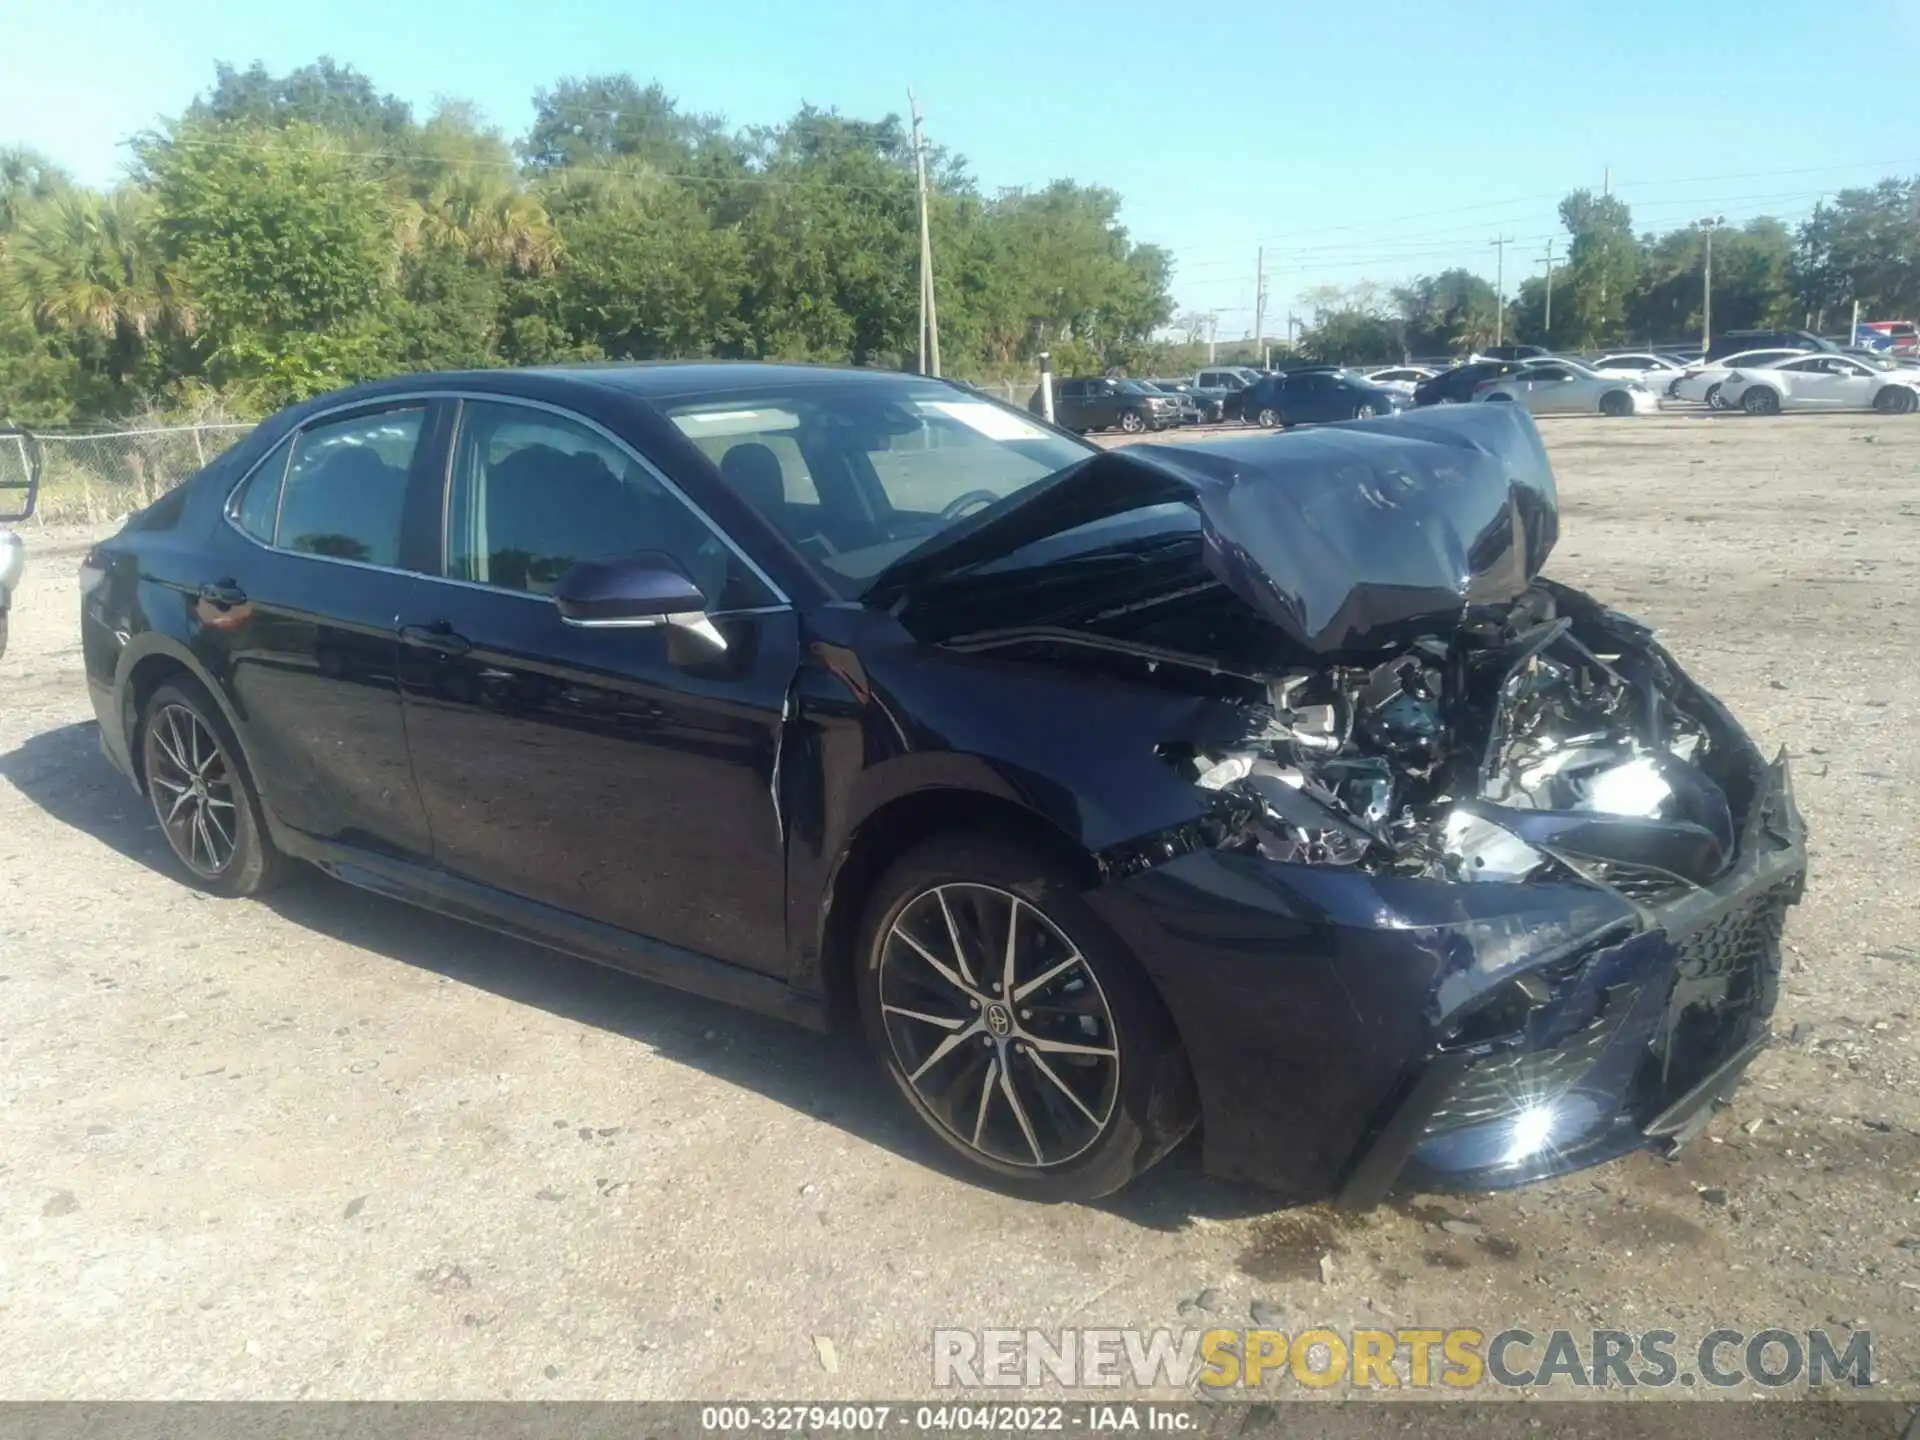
{"x":1411,"y":1358}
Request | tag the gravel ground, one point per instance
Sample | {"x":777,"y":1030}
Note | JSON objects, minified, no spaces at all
{"x":329,"y":1146}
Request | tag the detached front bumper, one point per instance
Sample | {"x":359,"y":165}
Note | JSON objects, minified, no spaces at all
{"x":1352,"y":1034}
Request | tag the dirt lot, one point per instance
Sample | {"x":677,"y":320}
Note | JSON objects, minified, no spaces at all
{"x":329,"y":1146}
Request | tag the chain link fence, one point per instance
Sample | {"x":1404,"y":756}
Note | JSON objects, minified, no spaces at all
{"x":100,"y":477}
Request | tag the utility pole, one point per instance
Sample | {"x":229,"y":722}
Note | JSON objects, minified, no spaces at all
{"x":1548,"y":338}
{"x":1213,"y":337}
{"x":1260,"y":300}
{"x":1706,"y":285}
{"x":1500,"y":243}
{"x":929,"y":315}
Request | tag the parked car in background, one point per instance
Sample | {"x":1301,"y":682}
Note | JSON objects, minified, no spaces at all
{"x":1400,"y":377}
{"x":1562,"y":387}
{"x":1513,"y":352}
{"x":1310,"y":397}
{"x":1456,"y":386}
{"x":1230,"y":382}
{"x":1894,"y":337}
{"x":1209,"y":406}
{"x":1700,"y":382}
{"x":849,"y":696}
{"x":1101,"y":402}
{"x":1656,"y":371}
{"x":19,"y":488}
{"x":1822,"y":382}
{"x":1732,"y":342}
{"x":1226,"y":377}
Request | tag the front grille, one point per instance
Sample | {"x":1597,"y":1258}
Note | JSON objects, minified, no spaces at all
{"x":1741,"y":938}
{"x":1724,"y":989}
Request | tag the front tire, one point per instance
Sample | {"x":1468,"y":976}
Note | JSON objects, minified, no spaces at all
{"x":1016,"y":1025}
{"x":203,"y":795}
{"x":1132,"y":422}
{"x":1365,"y":412}
{"x":1267,"y":418}
{"x":1895,"y":400}
{"x":1615,"y":404}
{"x":1760,"y":400}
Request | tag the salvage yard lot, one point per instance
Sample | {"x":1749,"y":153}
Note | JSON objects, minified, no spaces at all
{"x":328,"y":1146}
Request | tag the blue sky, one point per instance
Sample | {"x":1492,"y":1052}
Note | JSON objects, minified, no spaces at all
{"x":1356,"y":142}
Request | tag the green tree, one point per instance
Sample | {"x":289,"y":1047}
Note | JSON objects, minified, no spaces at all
{"x":1863,"y":247}
{"x":1450,"y":313}
{"x":87,"y":273}
{"x":1602,"y":269}
{"x":288,"y":249}
{"x":26,"y":178}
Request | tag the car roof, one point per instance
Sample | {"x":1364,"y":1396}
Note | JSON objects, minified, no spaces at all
{"x":645,"y":380}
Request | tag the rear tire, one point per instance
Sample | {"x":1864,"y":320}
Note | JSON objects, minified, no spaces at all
{"x":1062,"y":1089}
{"x":1713,"y":397}
{"x":1760,"y":400}
{"x":1268,"y":418}
{"x":203,"y":794}
{"x":1615,"y":404}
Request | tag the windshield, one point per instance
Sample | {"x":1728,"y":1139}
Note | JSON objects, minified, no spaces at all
{"x":856,"y":474}
{"x":1135,"y":387}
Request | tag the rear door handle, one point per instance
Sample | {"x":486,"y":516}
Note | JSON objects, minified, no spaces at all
{"x":223,"y":592}
{"x":438,"y":636}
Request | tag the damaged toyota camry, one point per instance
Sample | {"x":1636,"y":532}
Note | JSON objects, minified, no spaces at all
{"x":1263,"y":787}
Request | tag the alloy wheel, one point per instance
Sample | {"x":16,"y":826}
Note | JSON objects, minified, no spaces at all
{"x":1131,"y":422}
{"x":999,"y":1025}
{"x":1269,"y":418}
{"x":192,"y":789}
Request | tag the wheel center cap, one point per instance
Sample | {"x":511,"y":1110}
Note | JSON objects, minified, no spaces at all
{"x":999,"y":1020}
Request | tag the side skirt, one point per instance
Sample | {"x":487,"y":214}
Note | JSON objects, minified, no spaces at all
{"x":558,"y":929}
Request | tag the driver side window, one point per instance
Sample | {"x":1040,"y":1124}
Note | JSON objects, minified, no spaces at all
{"x":534,"y":494}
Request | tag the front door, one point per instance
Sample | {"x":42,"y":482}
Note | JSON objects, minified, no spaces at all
{"x":627,"y":775}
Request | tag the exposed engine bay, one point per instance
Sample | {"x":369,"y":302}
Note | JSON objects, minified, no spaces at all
{"x":1545,"y":739}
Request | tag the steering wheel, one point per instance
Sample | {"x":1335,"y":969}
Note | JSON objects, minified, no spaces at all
{"x":972,"y":497}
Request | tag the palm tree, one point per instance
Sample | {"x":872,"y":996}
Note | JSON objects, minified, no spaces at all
{"x":88,"y":264}
{"x":26,"y":178}
{"x":490,"y":219}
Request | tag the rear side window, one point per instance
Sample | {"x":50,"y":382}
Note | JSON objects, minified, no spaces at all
{"x":258,"y":506}
{"x":345,"y":489}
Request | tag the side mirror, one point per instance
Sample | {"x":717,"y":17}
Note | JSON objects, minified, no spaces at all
{"x":635,"y":592}
{"x":19,"y":475}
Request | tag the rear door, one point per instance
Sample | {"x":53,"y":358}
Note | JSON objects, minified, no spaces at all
{"x":626,"y":775}
{"x":296,"y":617}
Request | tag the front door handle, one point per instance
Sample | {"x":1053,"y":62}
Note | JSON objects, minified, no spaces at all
{"x":438,"y":636}
{"x":223,"y":592}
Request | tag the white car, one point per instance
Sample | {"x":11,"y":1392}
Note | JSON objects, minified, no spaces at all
{"x":1400,"y":377}
{"x":1657,"y":371}
{"x":1700,"y":382}
{"x":1563,"y":387}
{"x":1821,"y":382}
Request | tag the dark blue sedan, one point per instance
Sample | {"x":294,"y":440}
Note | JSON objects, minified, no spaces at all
{"x":1259,"y":787}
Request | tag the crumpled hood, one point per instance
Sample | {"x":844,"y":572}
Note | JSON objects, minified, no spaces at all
{"x":1341,"y":536}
